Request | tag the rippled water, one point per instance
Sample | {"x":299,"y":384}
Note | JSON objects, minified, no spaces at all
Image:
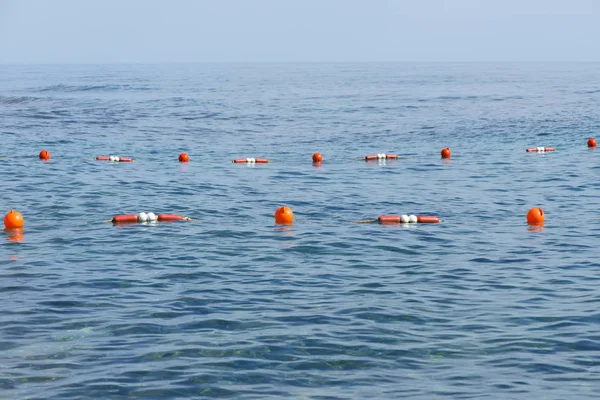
{"x":231,"y":305}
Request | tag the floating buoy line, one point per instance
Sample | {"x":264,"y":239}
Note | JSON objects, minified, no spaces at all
{"x":402,"y":219}
{"x":114,"y":158}
{"x":284,"y":215}
{"x":316,"y":157}
{"x":376,"y":157}
{"x":250,"y":161}
{"x":146,"y":217}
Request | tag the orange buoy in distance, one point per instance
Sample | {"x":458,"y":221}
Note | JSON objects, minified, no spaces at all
{"x":13,"y":219}
{"x":535,"y":216}
{"x":44,"y":155}
{"x":591,"y":142}
{"x":445,"y":153}
{"x":317,"y":157}
{"x":183,"y":157}
{"x":284,"y":216}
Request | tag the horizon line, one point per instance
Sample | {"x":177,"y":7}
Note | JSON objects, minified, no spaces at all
{"x":21,"y":63}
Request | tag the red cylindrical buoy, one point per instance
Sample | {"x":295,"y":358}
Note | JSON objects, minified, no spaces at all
{"x":427,"y":219}
{"x":125,"y":219}
{"x":125,"y":159}
{"x":591,"y":142}
{"x":103,"y":158}
{"x":389,"y":219}
{"x":445,"y":153}
{"x":169,"y":217}
{"x":44,"y":155}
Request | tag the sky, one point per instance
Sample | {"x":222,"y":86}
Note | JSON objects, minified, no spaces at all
{"x":172,"y":31}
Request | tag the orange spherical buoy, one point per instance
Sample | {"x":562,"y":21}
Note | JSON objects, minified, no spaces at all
{"x":183,"y":157}
{"x":445,"y":153}
{"x":13,"y":219}
{"x":591,"y":142}
{"x":317,"y":157}
{"x":284,"y":216}
{"x":535,"y":216}
{"x":44,"y":155}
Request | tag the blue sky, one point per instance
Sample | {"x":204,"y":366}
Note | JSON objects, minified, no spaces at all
{"x":152,"y":31}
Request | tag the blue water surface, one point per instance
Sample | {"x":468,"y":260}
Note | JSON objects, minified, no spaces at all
{"x":230,"y":305}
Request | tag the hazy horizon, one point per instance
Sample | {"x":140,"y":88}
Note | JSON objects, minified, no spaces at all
{"x":58,"y":63}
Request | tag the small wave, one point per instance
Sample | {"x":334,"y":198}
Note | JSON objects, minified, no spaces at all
{"x":207,"y":115}
{"x":62,"y":88}
{"x":18,"y":99}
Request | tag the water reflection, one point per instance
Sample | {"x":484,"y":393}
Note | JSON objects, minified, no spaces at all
{"x":535,"y":228}
{"x":14,"y":234}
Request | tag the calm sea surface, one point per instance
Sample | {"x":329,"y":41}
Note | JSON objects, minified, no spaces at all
{"x":230,"y":305}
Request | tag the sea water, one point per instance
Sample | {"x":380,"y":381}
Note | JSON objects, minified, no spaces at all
{"x":231,"y":305}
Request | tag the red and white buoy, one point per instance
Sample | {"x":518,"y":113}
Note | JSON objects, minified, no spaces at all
{"x":408,"y":219}
{"x":147,"y":217}
{"x":250,"y":161}
{"x":114,"y":159}
{"x":381,"y":156}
